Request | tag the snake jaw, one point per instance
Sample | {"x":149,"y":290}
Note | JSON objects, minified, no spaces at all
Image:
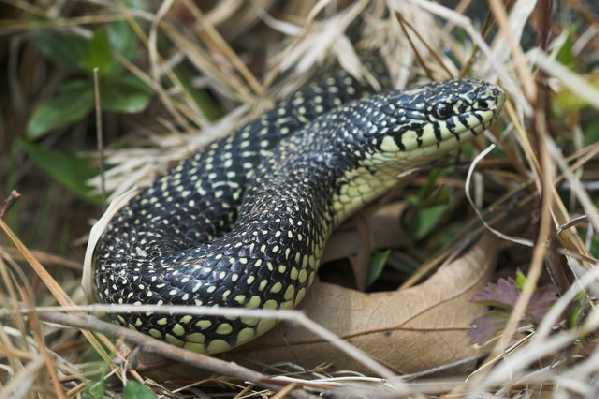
{"x":450,"y":117}
{"x":473,"y":111}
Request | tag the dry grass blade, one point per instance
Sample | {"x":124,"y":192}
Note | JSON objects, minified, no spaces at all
{"x":537,"y":188}
{"x":21,"y":384}
{"x":165,"y":349}
{"x":55,"y":289}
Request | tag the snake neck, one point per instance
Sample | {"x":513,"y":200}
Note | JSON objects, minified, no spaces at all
{"x":332,"y":169}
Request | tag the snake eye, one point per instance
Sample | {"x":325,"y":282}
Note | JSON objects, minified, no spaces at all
{"x":442,"y":111}
{"x":482,"y":104}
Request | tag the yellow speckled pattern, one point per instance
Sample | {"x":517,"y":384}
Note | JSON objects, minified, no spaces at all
{"x":242,"y":223}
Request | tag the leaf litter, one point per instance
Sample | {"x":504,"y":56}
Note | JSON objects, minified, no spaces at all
{"x":520,"y":167}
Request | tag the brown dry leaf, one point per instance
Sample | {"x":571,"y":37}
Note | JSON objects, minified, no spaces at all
{"x":415,"y":329}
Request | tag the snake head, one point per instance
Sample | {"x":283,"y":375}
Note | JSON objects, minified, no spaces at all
{"x":435,"y":118}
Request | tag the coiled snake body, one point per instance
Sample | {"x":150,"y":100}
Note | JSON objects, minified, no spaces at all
{"x":243,"y":222}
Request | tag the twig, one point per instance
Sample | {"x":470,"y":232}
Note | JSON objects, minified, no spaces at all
{"x":99,"y":134}
{"x":169,"y":351}
{"x":290,"y":315}
{"x":403,"y":23}
{"x":55,"y":288}
{"x":36,"y":332}
{"x":519,"y":60}
{"x":9,"y":202}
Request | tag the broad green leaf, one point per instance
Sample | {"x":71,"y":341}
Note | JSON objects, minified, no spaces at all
{"x":125,"y":94}
{"x":428,"y":219}
{"x":430,"y":204}
{"x":69,"y":170}
{"x":377,"y":263}
{"x":124,"y":41}
{"x":100,"y":53}
{"x":123,"y":38}
{"x":134,"y":390}
{"x":130,"y":82}
{"x":65,"y":49}
{"x":73,"y":101}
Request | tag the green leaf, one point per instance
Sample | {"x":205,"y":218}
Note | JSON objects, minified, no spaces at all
{"x":428,"y":219}
{"x":430,"y":194}
{"x":579,"y":309}
{"x":402,"y":264}
{"x":122,"y":36}
{"x":377,"y":263}
{"x":134,"y":390}
{"x":123,"y":40}
{"x":100,"y":53}
{"x":125,"y":94}
{"x":202,"y":99}
{"x":73,"y":101}
{"x":99,"y":391}
{"x":425,"y":192}
{"x":594,"y":249}
{"x":520,"y":280}
{"x":591,"y":136}
{"x":565,"y":54}
{"x":65,"y":49}
{"x":69,"y":170}
{"x":440,"y":197}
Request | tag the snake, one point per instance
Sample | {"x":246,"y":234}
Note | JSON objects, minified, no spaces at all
{"x":242,"y":223}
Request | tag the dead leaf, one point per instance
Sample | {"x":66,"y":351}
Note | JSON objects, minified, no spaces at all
{"x":504,"y":295}
{"x":415,"y":329}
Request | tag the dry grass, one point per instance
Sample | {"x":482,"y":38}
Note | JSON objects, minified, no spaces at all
{"x":250,"y":54}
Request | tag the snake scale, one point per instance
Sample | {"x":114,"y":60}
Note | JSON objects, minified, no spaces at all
{"x":243,"y":222}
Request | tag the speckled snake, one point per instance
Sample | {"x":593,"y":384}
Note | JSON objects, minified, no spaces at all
{"x":242,"y":223}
